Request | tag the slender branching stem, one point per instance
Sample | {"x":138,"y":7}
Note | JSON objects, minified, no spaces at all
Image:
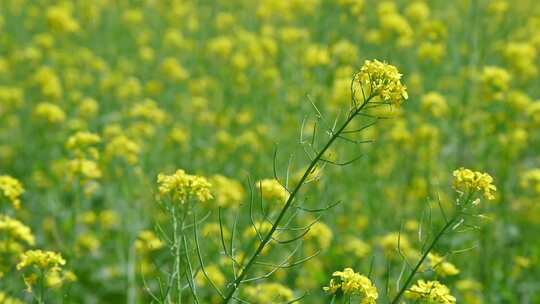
{"x":454,"y":221}
{"x":233,"y":287}
{"x":41,"y":296}
{"x":177,"y":237}
{"x":403,"y":288}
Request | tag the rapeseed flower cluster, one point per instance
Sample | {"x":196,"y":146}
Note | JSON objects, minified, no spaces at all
{"x":348,"y":282}
{"x":181,"y":187}
{"x":495,"y":82}
{"x":44,"y":260}
{"x":441,"y":266}
{"x":531,"y":180}
{"x":432,"y":292}
{"x":272,"y":190}
{"x":14,"y":231}
{"x":469,"y":181}
{"x":44,"y":266}
{"x":227,"y":191}
{"x":49,"y":113}
{"x":269,"y":293}
{"x":6,"y":299}
{"x":121,"y":147}
{"x":16,"y":236}
{"x":381,"y":80}
{"x":11,"y":190}
{"x":147,"y":241}
{"x":81,"y":143}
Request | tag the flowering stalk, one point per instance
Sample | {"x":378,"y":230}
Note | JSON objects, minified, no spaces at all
{"x":41,"y":294}
{"x":44,"y":263}
{"x":375,"y":79}
{"x":467,"y":183}
{"x":424,"y":256}
{"x":177,"y":235}
{"x":236,"y":283}
{"x":179,"y":191}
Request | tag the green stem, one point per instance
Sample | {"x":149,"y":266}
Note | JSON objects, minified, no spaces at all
{"x":41,"y":287}
{"x":424,"y":256}
{"x":333,"y":299}
{"x":236,"y":283}
{"x":178,"y":234}
{"x":131,"y":275}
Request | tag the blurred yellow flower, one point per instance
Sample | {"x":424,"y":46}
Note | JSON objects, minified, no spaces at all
{"x":11,"y":189}
{"x":495,"y":82}
{"x":49,"y":112}
{"x":14,"y":231}
{"x":271,"y":189}
{"x":268,"y":293}
{"x":60,"y":19}
{"x":44,"y":260}
{"x":442,"y":267}
{"x":147,"y":242}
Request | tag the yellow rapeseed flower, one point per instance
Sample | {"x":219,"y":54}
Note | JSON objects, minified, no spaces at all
{"x":442,"y":267}
{"x":60,"y":19}
{"x":5,"y":299}
{"x":435,"y":104}
{"x":530,"y":179}
{"x":381,"y":80}
{"x":473,"y":181}
{"x":83,"y":168}
{"x":49,"y":112}
{"x":495,"y":82}
{"x":430,"y":292}
{"x":321,"y":233}
{"x":147,"y":241}
{"x":11,"y":189}
{"x":352,"y":283}
{"x":14,"y":230}
{"x":214,"y":274}
{"x":272,"y":190}
{"x":181,"y":186}
{"x":229,"y":192}
{"x":268,"y":293}
{"x":44,"y":260}
{"x":121,"y":147}
{"x":82,"y":139}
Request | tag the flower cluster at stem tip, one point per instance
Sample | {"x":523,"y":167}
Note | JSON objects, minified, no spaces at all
{"x":12,"y":229}
{"x":181,"y":186}
{"x":469,"y":181}
{"x":50,"y":269}
{"x":12,"y":189}
{"x":4,"y":298}
{"x":349,"y":282}
{"x":442,"y":267}
{"x":430,"y":292}
{"x":379,"y":79}
{"x":44,"y":260}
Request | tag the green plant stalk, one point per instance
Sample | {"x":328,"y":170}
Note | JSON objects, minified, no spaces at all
{"x":422,"y":259}
{"x":41,"y":296}
{"x":236,"y":283}
{"x":131,"y":275}
{"x":178,"y":235}
{"x":449,"y":224}
{"x":130,"y":233}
